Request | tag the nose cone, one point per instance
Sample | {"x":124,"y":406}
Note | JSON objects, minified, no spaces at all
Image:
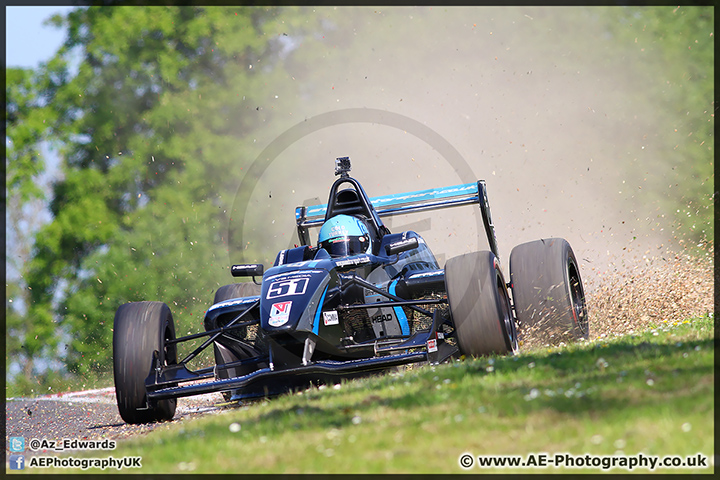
{"x":290,"y":299}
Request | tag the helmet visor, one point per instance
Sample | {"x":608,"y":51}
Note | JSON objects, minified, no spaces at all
{"x":344,"y":246}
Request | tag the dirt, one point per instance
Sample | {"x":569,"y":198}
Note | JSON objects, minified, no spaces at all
{"x":658,"y":291}
{"x":88,"y":415}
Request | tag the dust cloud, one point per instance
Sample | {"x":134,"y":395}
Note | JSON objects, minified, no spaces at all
{"x":543,"y":103}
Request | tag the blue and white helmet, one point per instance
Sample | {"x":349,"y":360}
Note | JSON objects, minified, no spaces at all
{"x":344,"y":235}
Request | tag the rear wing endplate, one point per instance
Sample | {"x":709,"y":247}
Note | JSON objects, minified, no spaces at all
{"x":411,"y":202}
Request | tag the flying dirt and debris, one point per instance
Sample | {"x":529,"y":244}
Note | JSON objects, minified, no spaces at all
{"x":655,"y":292}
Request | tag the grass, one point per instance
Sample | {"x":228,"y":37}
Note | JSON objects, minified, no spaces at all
{"x":649,"y":393}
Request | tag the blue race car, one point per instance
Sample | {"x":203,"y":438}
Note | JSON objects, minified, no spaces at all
{"x":360,"y":300}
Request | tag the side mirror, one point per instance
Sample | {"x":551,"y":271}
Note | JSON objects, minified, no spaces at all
{"x":401,"y":246}
{"x":248,"y":270}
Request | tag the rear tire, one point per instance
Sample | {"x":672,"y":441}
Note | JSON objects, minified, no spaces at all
{"x":548,"y":292}
{"x":236,"y":290}
{"x":227,"y":292}
{"x":480,"y":305}
{"x":139,"y":330}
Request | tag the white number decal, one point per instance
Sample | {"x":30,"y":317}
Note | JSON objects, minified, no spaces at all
{"x":296,"y":286}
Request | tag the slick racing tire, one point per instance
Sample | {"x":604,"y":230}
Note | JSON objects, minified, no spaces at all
{"x":141,"y":329}
{"x":480,"y":305}
{"x":548,"y":292}
{"x":236,"y":290}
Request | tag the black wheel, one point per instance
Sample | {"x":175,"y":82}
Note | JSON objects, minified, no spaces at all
{"x":480,"y":305}
{"x":547,"y":291}
{"x":139,"y":330}
{"x":236,"y":290}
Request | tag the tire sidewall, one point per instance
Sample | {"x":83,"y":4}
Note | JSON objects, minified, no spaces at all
{"x":236,"y":290}
{"x":480,"y":305}
{"x":140,"y":329}
{"x":540,"y":274}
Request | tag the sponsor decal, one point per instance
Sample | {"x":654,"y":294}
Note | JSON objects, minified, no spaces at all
{"x":231,"y":302}
{"x":338,"y":231}
{"x":294,"y":274}
{"x":244,"y":267}
{"x":279,"y":313}
{"x":382,"y":318}
{"x":432,"y":345}
{"x":331,"y":318}
{"x":291,"y":286}
{"x":359,"y":260}
{"x":425,"y":194}
{"x":435,"y":273}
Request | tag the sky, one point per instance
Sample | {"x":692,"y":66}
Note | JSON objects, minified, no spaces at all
{"x":28,"y":42}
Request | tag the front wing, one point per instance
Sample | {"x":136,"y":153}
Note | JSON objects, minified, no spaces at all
{"x":267,"y":382}
{"x":174,"y":381}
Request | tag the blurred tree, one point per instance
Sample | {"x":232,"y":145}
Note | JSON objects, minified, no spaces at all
{"x":155,"y":129}
{"x":26,"y":128}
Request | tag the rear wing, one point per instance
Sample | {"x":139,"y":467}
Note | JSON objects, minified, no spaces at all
{"x":411,"y":202}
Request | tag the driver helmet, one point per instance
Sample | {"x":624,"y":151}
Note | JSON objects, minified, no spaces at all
{"x":344,"y":235}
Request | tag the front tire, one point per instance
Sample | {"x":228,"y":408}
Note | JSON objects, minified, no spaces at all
{"x":548,"y":292}
{"x":480,"y":305}
{"x":140,"y":329}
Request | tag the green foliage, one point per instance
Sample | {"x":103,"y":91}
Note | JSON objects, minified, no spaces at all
{"x":26,"y":125}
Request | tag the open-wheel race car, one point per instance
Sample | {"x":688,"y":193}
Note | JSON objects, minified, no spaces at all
{"x":360,"y":300}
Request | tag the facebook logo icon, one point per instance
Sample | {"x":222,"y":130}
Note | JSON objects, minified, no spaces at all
{"x":17,"y":462}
